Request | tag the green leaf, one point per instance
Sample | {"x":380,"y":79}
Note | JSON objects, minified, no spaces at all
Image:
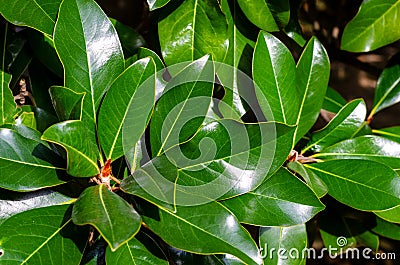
{"x":192,"y":30}
{"x":375,"y":25}
{"x":391,"y":133}
{"x":239,"y":56}
{"x":387,"y":91}
{"x":91,"y":53}
{"x":7,"y":107}
{"x":12,"y":203}
{"x":67,"y":103}
{"x":45,"y":236}
{"x":22,"y":57}
{"x":27,"y":119}
{"x":140,"y":250}
{"x":225,"y":158}
{"x":386,"y":229}
{"x":280,"y":9}
{"x":27,"y":165}
{"x":345,"y":125}
{"x":112,"y":216}
{"x":312,"y":180}
{"x":127,"y":108}
{"x":160,"y":68}
{"x":273,"y":203}
{"x":204,"y":229}
{"x":155,"y":4}
{"x":363,"y":185}
{"x":312,"y":77}
{"x":182,"y":108}
{"x":130,"y":39}
{"x":286,"y":238}
{"x":38,"y":14}
{"x":390,"y":215}
{"x":82,"y":152}
{"x":259,"y":13}
{"x":368,"y":147}
{"x":333,"y":101}
{"x":274,"y":72}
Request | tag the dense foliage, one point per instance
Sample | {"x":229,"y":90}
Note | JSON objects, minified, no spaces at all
{"x":200,"y":150}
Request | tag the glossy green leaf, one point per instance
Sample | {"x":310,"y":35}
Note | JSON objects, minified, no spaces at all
{"x":361,"y":184}
{"x":130,"y":39}
{"x":104,"y":209}
{"x":182,"y":108}
{"x":333,"y":101}
{"x":375,"y":25}
{"x":27,"y":119}
{"x":368,"y":147}
{"x":293,"y":28}
{"x":387,"y":229}
{"x":390,"y":215}
{"x":27,"y":132}
{"x":273,"y":203}
{"x":12,"y":203}
{"x":82,"y":152}
{"x":259,"y":13}
{"x":225,"y":158}
{"x":312,"y":180}
{"x":45,"y":236}
{"x":387,"y":91}
{"x":312,"y":77}
{"x":37,"y":14}
{"x":155,"y":4}
{"x":27,"y":165}
{"x":280,"y":9}
{"x":140,"y":250}
{"x":286,"y":238}
{"x":126,"y":109}
{"x":192,"y":30}
{"x":274,"y":72}
{"x":204,"y":229}
{"x":91,"y":53}
{"x":344,"y":125}
{"x":7,"y":107}
{"x":391,"y":133}
{"x":67,"y":103}
{"x":160,"y":68}
{"x":234,"y":79}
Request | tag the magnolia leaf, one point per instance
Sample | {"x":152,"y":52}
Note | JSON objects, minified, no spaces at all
{"x":361,"y":184}
{"x":345,"y":125}
{"x":26,"y":164}
{"x":194,"y":29}
{"x":204,"y":229}
{"x":287,"y":238}
{"x":37,"y":14}
{"x":274,"y":70}
{"x":67,"y":103}
{"x":274,"y":204}
{"x":112,"y":216}
{"x":312,"y":75}
{"x":263,"y":18}
{"x":182,"y":108}
{"x":82,"y":152}
{"x":37,"y":232}
{"x":126,"y":109}
{"x":368,"y":147}
{"x":375,"y":25}
{"x":91,"y":53}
